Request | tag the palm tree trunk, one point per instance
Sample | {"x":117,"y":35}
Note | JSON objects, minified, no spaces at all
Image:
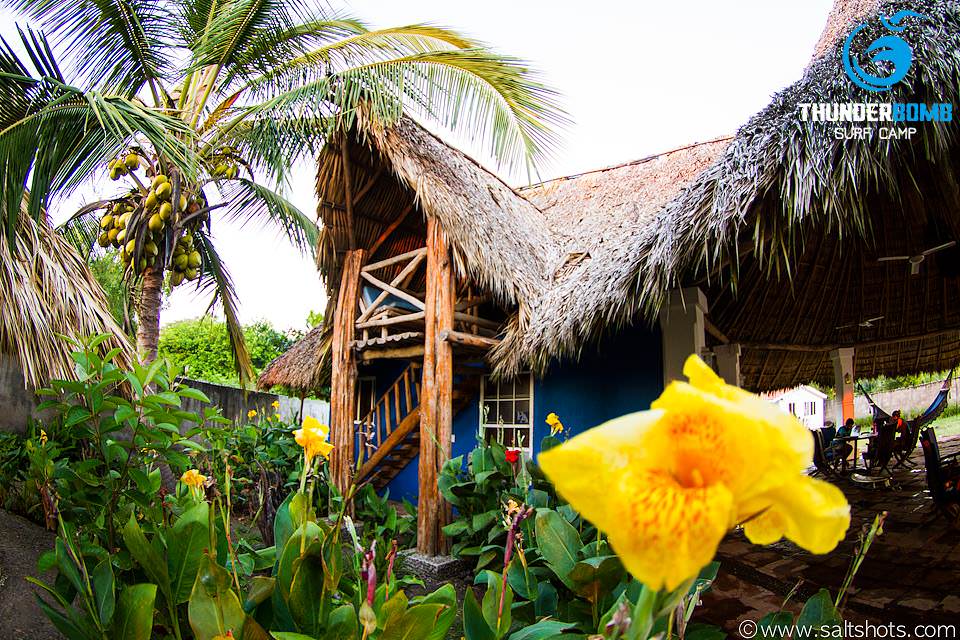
{"x":148,"y":314}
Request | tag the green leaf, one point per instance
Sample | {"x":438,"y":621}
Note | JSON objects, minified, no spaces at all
{"x":541,"y":630}
{"x":103,"y":590}
{"x":193,"y":394}
{"x":261,"y":588}
{"x":558,"y":542}
{"x":342,"y":624}
{"x":475,"y":626}
{"x":307,"y":595}
{"x":818,"y":611}
{"x":775,"y":625}
{"x":68,"y":567}
{"x":593,"y":578}
{"x":185,"y":544}
{"x":214,"y":607}
{"x":134,"y":618}
{"x":446,"y":596}
{"x":547,"y":600}
{"x":152,"y":563}
{"x":491,"y":605}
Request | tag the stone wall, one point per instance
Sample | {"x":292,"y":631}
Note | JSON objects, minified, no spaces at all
{"x":910,"y":400}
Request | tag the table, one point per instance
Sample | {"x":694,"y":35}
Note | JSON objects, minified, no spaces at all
{"x":855,"y":439}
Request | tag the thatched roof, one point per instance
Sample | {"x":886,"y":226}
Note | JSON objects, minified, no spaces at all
{"x":304,"y":367}
{"x":400,"y":175}
{"x":46,"y":291}
{"x":783,"y":231}
{"x":603,"y":220}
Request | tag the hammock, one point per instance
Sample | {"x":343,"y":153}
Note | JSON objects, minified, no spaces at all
{"x":910,"y":438}
{"x":929,"y":415}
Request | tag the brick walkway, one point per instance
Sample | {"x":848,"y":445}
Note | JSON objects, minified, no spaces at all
{"x":911,"y":574}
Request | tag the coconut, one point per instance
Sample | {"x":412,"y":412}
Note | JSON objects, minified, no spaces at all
{"x":180,"y":261}
{"x":121,"y":235}
{"x":151,"y":248}
{"x":130,"y":246}
{"x":124,"y":220}
{"x":142,"y":264}
{"x":106,"y":222}
{"x":112,"y":235}
{"x":193,"y":260}
{"x":176,"y":279}
{"x":156,"y":222}
{"x":191,"y":274}
{"x":164,"y":191}
{"x":103,"y":239}
{"x":159,"y":180}
{"x":166,"y":210}
{"x":132,"y":161}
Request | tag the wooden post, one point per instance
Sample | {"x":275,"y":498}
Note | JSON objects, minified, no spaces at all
{"x":436,"y":408}
{"x":343,"y":381}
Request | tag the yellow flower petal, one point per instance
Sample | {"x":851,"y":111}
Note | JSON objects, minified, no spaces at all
{"x":313,"y":424}
{"x":812,"y":513}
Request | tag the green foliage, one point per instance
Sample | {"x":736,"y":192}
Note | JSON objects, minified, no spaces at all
{"x":202,"y":347}
{"x":107,"y":269}
{"x":112,"y":433}
{"x":884,"y":383}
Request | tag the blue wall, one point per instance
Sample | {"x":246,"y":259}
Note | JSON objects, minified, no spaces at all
{"x":620,"y":375}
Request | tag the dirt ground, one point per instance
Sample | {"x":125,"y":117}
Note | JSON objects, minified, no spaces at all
{"x":21,"y":543}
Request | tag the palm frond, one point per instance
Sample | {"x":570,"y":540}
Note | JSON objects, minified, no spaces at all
{"x":490,"y":98}
{"x":117,"y":43}
{"x":217,"y":280}
{"x":81,"y":232}
{"x":58,"y":135}
{"x":252,"y":202}
{"x":235,"y":23}
{"x":273,"y":145}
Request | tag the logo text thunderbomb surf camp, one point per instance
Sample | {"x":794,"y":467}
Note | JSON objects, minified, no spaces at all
{"x":892,"y":57}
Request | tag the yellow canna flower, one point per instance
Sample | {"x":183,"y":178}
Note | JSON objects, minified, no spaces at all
{"x":667,"y":484}
{"x":275,"y":404}
{"x":252,"y":413}
{"x":43,"y":437}
{"x":193,"y":479}
{"x":555,"y":425}
{"x":313,"y":438}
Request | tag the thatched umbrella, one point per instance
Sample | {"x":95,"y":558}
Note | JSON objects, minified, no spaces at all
{"x":303,"y":368}
{"x":46,"y":291}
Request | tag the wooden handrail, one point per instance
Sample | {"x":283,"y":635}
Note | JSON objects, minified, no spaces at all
{"x":400,"y":400}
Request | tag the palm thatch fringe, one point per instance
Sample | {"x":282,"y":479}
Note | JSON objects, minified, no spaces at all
{"x":46,"y":291}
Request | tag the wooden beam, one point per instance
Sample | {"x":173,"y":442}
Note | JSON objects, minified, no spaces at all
{"x":436,"y":399}
{"x":714,"y":331}
{"x":468,"y":339}
{"x":400,"y":293}
{"x":408,"y":424}
{"x":398,"y":281}
{"x":393,"y":227}
{"x":343,"y":382}
{"x":379,"y":353}
{"x":480,"y":322}
{"x":470,"y":303}
{"x":348,"y":192}
{"x":386,"y":322}
{"x":810,"y":348}
{"x":373,"y":266}
{"x":366,"y":187}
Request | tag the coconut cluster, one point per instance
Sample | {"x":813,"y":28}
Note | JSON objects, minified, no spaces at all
{"x":186,"y":261}
{"x":145,"y":223}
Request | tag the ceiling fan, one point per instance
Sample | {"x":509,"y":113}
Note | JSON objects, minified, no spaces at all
{"x":920,"y":257}
{"x":866,"y":324}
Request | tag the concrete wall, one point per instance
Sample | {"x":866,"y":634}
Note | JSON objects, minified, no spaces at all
{"x":235,"y":406}
{"x":16,"y":401}
{"x":909,"y":400}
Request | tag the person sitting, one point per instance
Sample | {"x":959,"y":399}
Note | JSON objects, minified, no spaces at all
{"x":842,"y":448}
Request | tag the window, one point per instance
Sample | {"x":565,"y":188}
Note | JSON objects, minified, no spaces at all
{"x":810,"y":408}
{"x":366,"y":396}
{"x":792,"y":408}
{"x":506,"y":410}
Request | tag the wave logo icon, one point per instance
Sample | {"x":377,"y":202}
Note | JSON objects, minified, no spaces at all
{"x":886,"y":52}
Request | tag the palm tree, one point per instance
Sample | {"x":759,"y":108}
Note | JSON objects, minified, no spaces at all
{"x":196,"y":105}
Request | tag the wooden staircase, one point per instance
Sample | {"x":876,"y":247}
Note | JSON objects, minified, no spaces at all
{"x":388,"y":438}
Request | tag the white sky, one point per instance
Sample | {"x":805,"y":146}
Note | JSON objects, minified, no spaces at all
{"x":637,"y":78}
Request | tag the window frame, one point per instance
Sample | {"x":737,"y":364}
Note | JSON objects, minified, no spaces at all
{"x":484,"y":426}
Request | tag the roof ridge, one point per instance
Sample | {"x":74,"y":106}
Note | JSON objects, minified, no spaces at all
{"x":627,"y":163}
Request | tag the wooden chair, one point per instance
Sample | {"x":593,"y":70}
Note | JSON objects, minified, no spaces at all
{"x":877,"y":458}
{"x":943,"y":476}
{"x":822,"y":463}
